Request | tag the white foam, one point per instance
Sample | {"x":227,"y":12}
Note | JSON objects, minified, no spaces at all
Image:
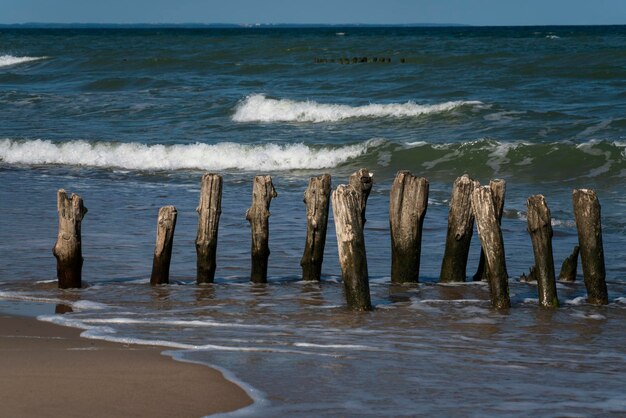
{"x":580,"y":300}
{"x":6,"y":60}
{"x":259,"y":108}
{"x":221,"y":156}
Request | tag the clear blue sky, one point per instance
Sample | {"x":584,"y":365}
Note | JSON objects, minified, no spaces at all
{"x":475,"y":12}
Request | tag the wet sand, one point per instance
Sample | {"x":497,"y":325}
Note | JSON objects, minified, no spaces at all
{"x":48,"y":370}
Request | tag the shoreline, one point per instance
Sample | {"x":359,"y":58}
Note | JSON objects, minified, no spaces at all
{"x":50,"y":370}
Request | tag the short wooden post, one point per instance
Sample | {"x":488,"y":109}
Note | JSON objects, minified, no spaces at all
{"x":570,"y":266}
{"x":258,"y":215}
{"x":317,"y":199}
{"x":498,"y":190}
{"x":460,"y":230}
{"x":408,"y":203}
{"x":209,"y":210}
{"x":540,"y":230}
{"x":68,"y":246}
{"x":491,"y":240}
{"x":351,"y":247}
{"x":166,"y":225}
{"x":588,"y":223}
{"x":362,"y":181}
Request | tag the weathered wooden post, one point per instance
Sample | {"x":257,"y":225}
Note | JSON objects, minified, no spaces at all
{"x":362,"y":181}
{"x":258,"y":215}
{"x":540,"y":230}
{"x":351,"y":247}
{"x":460,"y":230}
{"x":408,"y":203}
{"x":209,"y":210}
{"x":491,"y":240}
{"x":68,"y":246}
{"x":570,"y":266}
{"x":317,"y":199}
{"x":588,"y":223}
{"x":498,"y":191}
{"x":166,"y":224}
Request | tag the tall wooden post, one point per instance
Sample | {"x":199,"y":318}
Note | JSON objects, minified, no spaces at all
{"x":209,"y":210}
{"x":68,"y":246}
{"x":491,"y":240}
{"x":570,"y":266}
{"x":258,"y":215}
{"x":351,"y":247}
{"x":317,"y":199}
{"x":498,"y":191}
{"x":407,"y":207}
{"x":589,"y":225}
{"x":166,"y":224}
{"x":460,"y":230}
{"x":540,"y":230}
{"x":362,"y":181}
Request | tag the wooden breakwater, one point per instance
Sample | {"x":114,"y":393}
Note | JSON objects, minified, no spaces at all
{"x":469,"y":204}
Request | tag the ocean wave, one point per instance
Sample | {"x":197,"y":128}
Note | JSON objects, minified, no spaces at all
{"x":6,"y":60}
{"x":221,"y":156}
{"x":259,"y":108}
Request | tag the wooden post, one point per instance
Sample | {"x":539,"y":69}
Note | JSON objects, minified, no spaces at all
{"x":258,"y":215}
{"x":491,"y":240}
{"x":317,"y":199}
{"x":209,"y":210}
{"x":407,"y":207}
{"x":351,"y":247}
{"x":460,"y":229}
{"x":166,"y":225}
{"x":540,"y":230}
{"x":362,"y":181}
{"x":68,"y":246}
{"x":498,"y":190}
{"x":588,"y":223}
{"x":570,"y":267}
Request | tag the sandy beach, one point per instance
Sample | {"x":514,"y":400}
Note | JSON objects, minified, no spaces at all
{"x":48,"y":370}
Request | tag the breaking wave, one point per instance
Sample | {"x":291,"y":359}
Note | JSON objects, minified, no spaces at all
{"x":259,"y":108}
{"x":6,"y":60}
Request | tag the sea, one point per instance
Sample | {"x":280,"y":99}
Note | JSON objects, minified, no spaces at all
{"x":130,"y":119}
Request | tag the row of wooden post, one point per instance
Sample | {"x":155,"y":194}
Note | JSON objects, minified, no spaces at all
{"x":469,"y":203}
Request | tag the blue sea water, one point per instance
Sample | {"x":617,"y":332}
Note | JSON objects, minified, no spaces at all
{"x":130,"y":119}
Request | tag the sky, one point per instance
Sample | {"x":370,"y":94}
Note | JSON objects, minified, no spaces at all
{"x":473,"y":12}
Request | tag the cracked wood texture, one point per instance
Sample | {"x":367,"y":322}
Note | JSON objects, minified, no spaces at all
{"x":498,"y":190}
{"x":460,"y":230}
{"x":408,"y":203}
{"x":68,"y":246}
{"x":491,"y":241}
{"x":258,"y":215}
{"x":317,"y":199}
{"x":209,"y":210}
{"x":362,"y":181}
{"x":589,"y":226}
{"x":540,"y":230}
{"x":166,"y":224}
{"x":351,"y":247}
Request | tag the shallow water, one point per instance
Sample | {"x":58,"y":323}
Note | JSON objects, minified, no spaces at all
{"x":130,"y":119}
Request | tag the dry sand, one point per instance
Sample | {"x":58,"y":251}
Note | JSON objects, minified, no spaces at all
{"x":49,"y":371}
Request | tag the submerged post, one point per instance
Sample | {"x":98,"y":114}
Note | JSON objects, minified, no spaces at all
{"x":589,"y":226}
{"x":68,"y":246}
{"x":351,"y":247}
{"x":540,"y":230}
{"x":491,"y":241}
{"x":362,"y":181}
{"x":209,"y":210}
{"x":460,"y":229}
{"x":317,"y":199}
{"x":570,"y":266}
{"x":498,"y":191}
{"x":407,"y":207}
{"x":166,"y":224}
{"x":258,"y":215}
